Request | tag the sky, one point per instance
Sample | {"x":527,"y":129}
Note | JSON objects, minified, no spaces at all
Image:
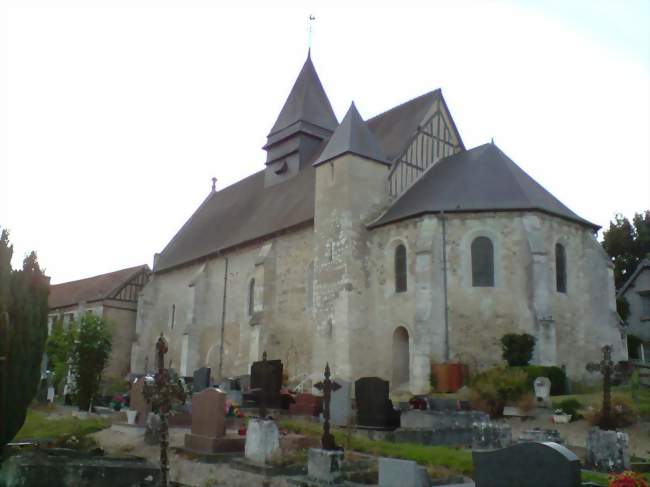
{"x":118,"y":114}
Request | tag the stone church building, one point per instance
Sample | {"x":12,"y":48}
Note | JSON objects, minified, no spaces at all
{"x":380,"y":246}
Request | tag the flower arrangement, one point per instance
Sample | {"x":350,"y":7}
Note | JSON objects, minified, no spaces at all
{"x":627,"y":479}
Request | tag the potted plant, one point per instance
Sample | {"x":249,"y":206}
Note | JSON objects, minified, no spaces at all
{"x":559,"y":416}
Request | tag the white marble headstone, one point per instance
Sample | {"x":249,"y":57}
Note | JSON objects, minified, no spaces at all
{"x":542,"y":387}
{"x":341,"y":404}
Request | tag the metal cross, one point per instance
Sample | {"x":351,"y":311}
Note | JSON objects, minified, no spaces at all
{"x":265,"y":372}
{"x":606,"y":367}
{"x":161,"y":394}
{"x":327,"y":386}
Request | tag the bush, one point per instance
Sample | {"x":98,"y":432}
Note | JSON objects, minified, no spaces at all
{"x":556,"y":375}
{"x":570,"y":406}
{"x":494,"y":387}
{"x":517,"y":348}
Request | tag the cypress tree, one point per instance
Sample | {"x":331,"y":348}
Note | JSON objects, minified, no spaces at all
{"x":23,"y":330}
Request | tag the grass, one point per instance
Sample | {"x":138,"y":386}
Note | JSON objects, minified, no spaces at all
{"x":60,"y":430}
{"x":595,"y":398}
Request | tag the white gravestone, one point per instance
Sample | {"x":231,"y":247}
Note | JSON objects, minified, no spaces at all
{"x":341,"y":404}
{"x":262,"y":441}
{"x":542,"y":387}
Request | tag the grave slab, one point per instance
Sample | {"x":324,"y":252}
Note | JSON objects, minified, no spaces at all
{"x":608,"y":451}
{"x":325,"y":466}
{"x":341,"y":404}
{"x":394,"y":472}
{"x":491,"y":435}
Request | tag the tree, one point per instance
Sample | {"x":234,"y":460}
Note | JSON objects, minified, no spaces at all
{"x":23,"y":329}
{"x":627,"y":243}
{"x":91,"y":349}
{"x":517,"y":349}
{"x":59,"y":349}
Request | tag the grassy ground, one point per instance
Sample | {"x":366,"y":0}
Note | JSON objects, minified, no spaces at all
{"x":439,"y":460}
{"x":64,"y":430}
{"x":595,"y":398}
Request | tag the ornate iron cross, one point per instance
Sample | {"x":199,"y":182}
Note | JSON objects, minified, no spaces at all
{"x":161,"y":394}
{"x":606,"y":367}
{"x":327,"y":386}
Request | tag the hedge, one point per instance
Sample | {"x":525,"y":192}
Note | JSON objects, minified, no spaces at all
{"x":556,"y":375}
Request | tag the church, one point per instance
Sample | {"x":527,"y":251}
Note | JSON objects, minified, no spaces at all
{"x":381,"y":246}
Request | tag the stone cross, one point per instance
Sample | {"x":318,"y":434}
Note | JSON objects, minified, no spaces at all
{"x":161,"y":394}
{"x":606,"y":367}
{"x":327,"y":386}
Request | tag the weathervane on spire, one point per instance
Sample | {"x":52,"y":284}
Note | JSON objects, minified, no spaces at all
{"x":311,"y":22}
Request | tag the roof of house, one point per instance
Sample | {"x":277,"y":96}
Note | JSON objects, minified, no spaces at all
{"x":352,"y":136}
{"x":479,"y":179}
{"x":644,"y":264}
{"x":92,"y":288}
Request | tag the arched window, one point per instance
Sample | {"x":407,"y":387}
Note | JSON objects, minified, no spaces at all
{"x":560,"y":268}
{"x":400,"y":269}
{"x":251,"y":297}
{"x":482,"y":262}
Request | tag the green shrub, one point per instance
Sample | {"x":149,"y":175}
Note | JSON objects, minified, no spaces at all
{"x":494,"y":387}
{"x":517,"y":348}
{"x":570,"y":406}
{"x":556,"y":375}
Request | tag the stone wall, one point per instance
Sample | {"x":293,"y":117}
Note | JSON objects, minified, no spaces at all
{"x":280,"y":322}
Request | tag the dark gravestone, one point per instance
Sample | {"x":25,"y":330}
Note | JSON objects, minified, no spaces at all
{"x":374,"y":408}
{"x":201,"y":379}
{"x":529,"y":464}
{"x":266,"y":381}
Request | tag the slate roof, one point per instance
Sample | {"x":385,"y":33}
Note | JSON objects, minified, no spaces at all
{"x":644,"y":264}
{"x":92,"y":288}
{"x":395,"y":127}
{"x":307,"y":102}
{"x":480,"y":179}
{"x":352,"y":136}
{"x":247,"y":210}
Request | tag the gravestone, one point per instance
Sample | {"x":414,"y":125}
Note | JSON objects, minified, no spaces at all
{"x":491,"y":435}
{"x":374,"y":408}
{"x":325,"y":466}
{"x":439,"y":427}
{"x":262,"y":441}
{"x":608,"y":451}
{"x":232,"y":387}
{"x":208,"y":431}
{"x":138,"y":402}
{"x":402,"y":473}
{"x":527,"y":464}
{"x":542,"y":387}
{"x":266,"y":381}
{"x":201,"y":379}
{"x":153,"y":429}
{"x":341,"y":404}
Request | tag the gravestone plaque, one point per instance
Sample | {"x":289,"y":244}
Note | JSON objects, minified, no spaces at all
{"x":341,"y":404}
{"x":529,"y":464}
{"x":374,"y":408}
{"x":608,"y":451}
{"x":201,"y":379}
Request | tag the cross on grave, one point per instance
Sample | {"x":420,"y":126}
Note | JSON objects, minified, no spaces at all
{"x":606,"y":367}
{"x":161,"y":394}
{"x":327,"y":386}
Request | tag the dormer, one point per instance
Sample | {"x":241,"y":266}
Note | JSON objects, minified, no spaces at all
{"x":305,"y":121}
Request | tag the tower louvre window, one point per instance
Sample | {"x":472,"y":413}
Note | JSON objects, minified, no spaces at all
{"x":482,"y":262}
{"x":400,"y":269}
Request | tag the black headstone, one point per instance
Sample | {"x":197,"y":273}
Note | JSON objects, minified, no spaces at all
{"x":374,"y":408}
{"x":270,"y":384}
{"x":529,"y":464}
{"x":201,"y":379}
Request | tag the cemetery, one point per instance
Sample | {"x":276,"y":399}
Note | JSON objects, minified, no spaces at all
{"x":255,"y":430}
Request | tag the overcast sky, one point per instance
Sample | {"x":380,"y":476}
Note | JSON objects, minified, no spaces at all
{"x":119,"y":113}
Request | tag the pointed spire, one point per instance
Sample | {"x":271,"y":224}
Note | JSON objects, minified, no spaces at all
{"x":307,"y":102}
{"x":352,"y":136}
